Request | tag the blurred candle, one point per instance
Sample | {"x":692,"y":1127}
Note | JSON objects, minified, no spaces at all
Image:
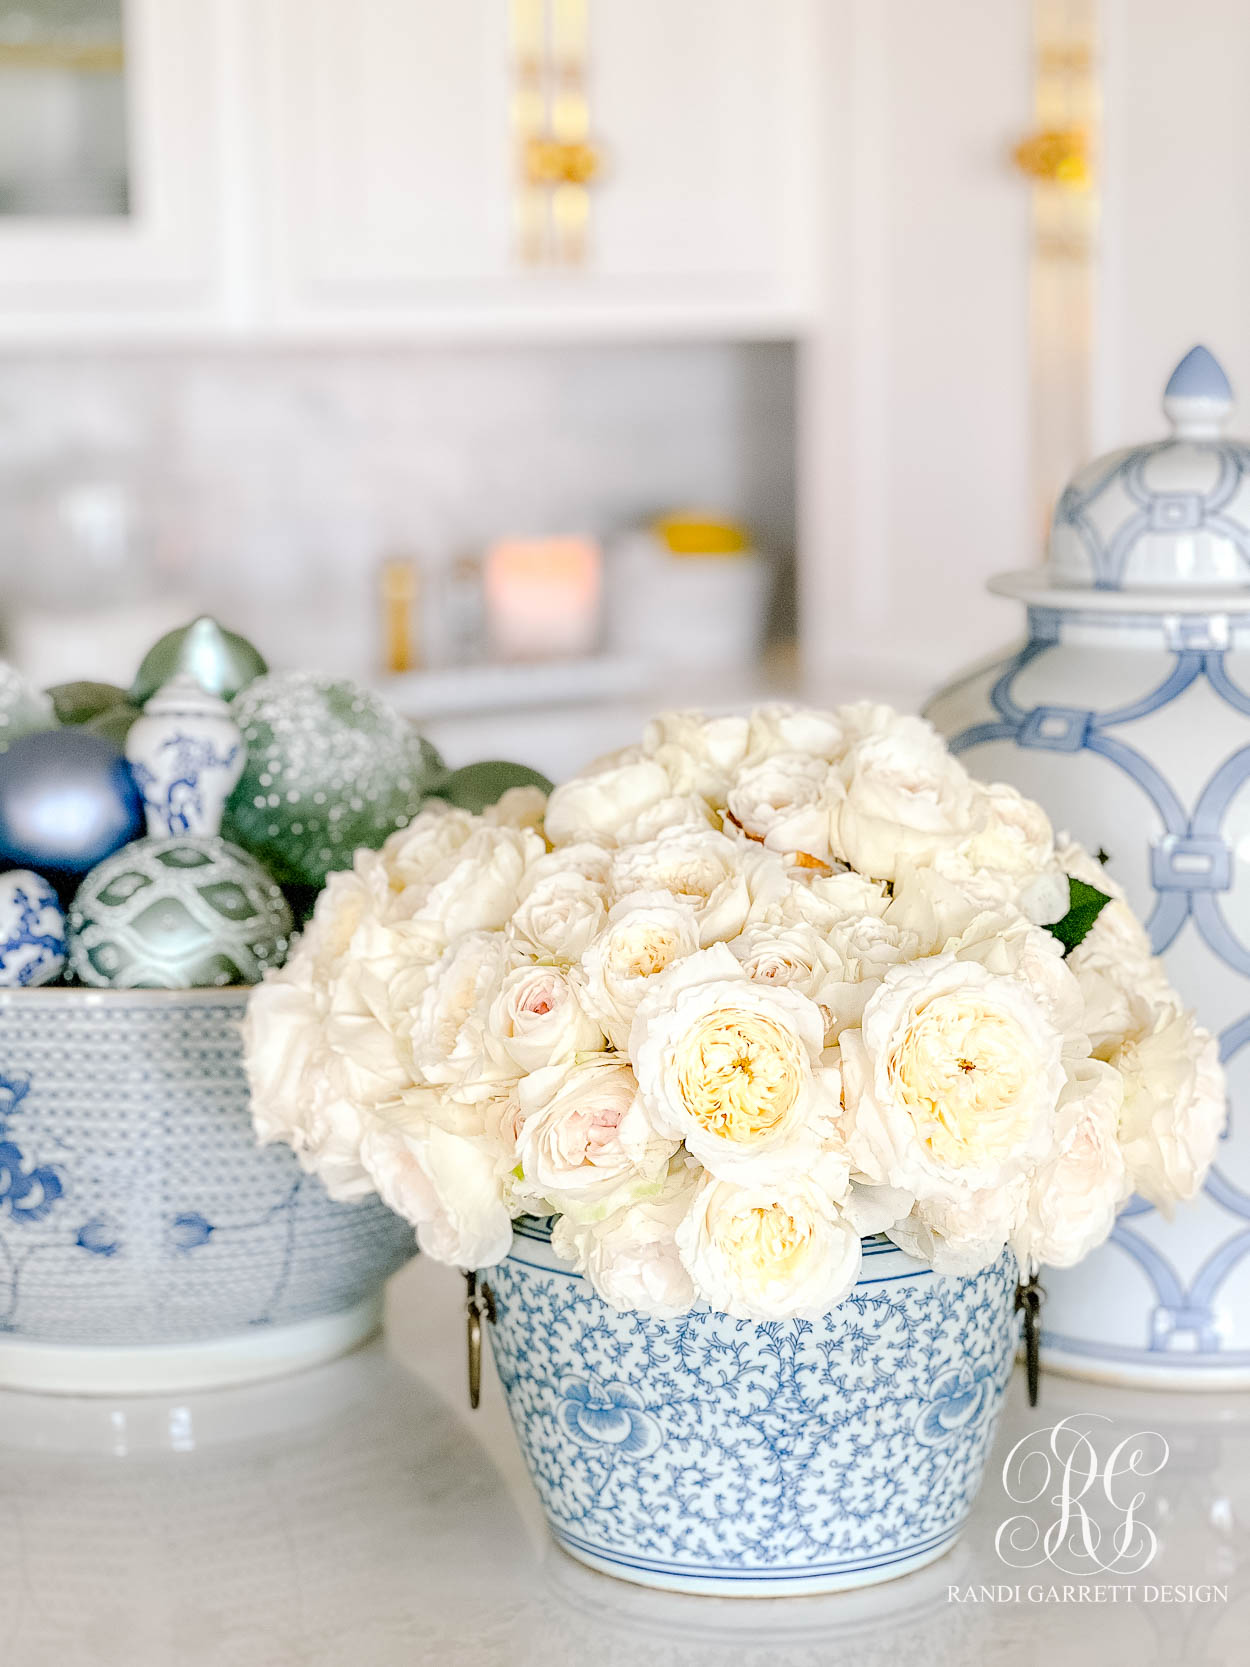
{"x":543,"y":597}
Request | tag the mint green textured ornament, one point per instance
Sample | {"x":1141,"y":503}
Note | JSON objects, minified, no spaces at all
{"x":330,"y":767}
{"x":177,"y":914}
{"x":219,"y":660}
{"x":22,"y":708}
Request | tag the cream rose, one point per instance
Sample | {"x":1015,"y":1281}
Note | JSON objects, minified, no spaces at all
{"x":798,"y":956}
{"x":952,"y":1081}
{"x":787,"y":803}
{"x":645,"y":933}
{"x":446,"y":1185}
{"x":696,"y":866}
{"x":449,"y":1041}
{"x":1074,"y":1195}
{"x":583,"y":1139}
{"x":768,"y":1250}
{"x":1174,"y":1100}
{"x":538,"y":1019}
{"x":905,"y":798}
{"x":630,"y":1255}
{"x":699,"y":755}
{"x":731,"y":1067}
{"x":605,"y":799}
{"x":962,"y":1235}
{"x":561,"y":914}
{"x":794,"y":729}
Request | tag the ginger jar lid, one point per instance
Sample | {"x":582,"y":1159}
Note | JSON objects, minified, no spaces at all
{"x":1163,"y":526}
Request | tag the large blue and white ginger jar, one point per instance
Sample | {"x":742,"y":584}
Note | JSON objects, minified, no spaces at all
{"x":146,"y":1242}
{"x":707,"y":1454}
{"x":1126,"y":713}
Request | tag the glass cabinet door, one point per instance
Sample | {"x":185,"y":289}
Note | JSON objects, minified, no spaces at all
{"x":63,"y":124}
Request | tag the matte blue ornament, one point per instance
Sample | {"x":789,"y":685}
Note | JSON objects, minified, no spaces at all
{"x":68,"y":799}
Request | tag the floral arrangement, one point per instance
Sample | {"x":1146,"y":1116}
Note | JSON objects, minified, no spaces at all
{"x":726,"y":1003}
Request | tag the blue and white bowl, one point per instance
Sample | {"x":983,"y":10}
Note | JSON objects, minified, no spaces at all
{"x":146,"y":1241}
{"x":708,"y":1454}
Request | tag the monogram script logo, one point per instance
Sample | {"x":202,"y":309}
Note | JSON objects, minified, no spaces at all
{"x":1084,"y":1511}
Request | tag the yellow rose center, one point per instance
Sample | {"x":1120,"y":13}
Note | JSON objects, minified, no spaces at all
{"x":740,"y":1076}
{"x":962,"y":1070}
{"x":764,"y":1243}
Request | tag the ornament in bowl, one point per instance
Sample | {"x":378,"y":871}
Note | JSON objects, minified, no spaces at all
{"x":1126,"y":714}
{"x":146,"y":1242}
{"x":743,"y":1073}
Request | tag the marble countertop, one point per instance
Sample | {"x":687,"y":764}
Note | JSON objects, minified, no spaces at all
{"x":361,"y":1515}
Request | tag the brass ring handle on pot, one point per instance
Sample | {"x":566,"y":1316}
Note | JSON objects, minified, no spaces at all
{"x":479,"y":1302}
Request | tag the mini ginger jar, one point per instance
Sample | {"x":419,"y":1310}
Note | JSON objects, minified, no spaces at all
{"x":1127,"y":715}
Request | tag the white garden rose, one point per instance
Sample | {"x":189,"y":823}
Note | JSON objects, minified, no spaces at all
{"x":731,"y":1067}
{"x":449,"y":1042}
{"x":597,"y":804}
{"x":445,"y":1185}
{"x":961,"y":1235}
{"x":682,"y":810}
{"x":477,"y":887}
{"x":794,"y":729}
{"x":697,"y":866}
{"x":904,"y":798}
{"x":797,"y":955}
{"x":538,"y":1019}
{"x":518,"y":807}
{"x":410,"y":857}
{"x":630,"y":1255}
{"x":1174,"y":1102}
{"x":644,"y":933}
{"x":561,"y":914}
{"x":786,"y":802}
{"x":700,"y":755}
{"x":860,"y":951}
{"x":952,"y":1082}
{"x":768,"y":1250}
{"x":1074,"y":1196}
{"x":584,"y":1143}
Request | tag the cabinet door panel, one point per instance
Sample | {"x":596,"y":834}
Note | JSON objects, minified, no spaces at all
{"x":390,"y":164}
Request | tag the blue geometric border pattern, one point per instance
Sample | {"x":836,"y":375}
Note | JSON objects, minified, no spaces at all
{"x":1191,"y":868}
{"x":1166,"y":513}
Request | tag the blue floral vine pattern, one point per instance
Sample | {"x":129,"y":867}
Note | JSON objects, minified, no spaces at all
{"x":1191,"y":869}
{"x":708,"y":1447}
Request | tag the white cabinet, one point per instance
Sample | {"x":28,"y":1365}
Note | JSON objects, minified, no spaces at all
{"x":390,"y":167}
{"x":159,"y":265}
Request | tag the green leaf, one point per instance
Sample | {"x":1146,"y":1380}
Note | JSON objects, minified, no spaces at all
{"x":478,"y":785}
{"x":1085,"y":904}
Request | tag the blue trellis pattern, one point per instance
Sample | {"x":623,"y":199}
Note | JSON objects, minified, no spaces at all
{"x":718,"y":1449}
{"x":1149,"y":511}
{"x":1192,"y":870}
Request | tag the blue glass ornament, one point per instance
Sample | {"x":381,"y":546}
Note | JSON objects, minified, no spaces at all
{"x":68,"y":799}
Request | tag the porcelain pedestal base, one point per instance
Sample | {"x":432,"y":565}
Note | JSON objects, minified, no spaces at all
{"x":844,"y":1578}
{"x":217,"y":1363}
{"x":1133,"y":1374}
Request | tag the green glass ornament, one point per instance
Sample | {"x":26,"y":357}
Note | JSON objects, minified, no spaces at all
{"x":330,"y":767}
{"x":177,"y":914}
{"x":477,"y":786}
{"x":77,"y":703}
{"x":23,"y":710}
{"x":219,"y":660}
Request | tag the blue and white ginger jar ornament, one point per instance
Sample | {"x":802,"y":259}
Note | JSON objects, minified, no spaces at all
{"x":187,"y":753}
{"x":1127,"y":715}
{"x":32,"y":930}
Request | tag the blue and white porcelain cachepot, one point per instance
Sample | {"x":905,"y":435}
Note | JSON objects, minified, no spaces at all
{"x":1127,"y":715}
{"x":706,"y":1454}
{"x":146,"y":1241}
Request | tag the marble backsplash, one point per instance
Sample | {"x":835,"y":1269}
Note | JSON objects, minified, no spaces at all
{"x":267,"y":485}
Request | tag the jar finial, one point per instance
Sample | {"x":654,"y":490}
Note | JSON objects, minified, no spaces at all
{"x":1198,"y":398}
